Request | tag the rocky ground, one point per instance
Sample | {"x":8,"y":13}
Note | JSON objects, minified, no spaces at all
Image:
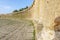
{"x":16,"y":30}
{"x":57,"y":35}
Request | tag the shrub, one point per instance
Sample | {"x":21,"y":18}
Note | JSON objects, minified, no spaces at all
{"x":15,"y":11}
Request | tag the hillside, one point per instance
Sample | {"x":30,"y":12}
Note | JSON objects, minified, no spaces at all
{"x":17,"y":25}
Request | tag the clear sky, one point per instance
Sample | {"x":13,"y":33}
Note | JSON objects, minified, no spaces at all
{"x":7,"y":6}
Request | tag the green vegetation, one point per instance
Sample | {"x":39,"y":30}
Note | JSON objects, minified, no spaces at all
{"x":15,"y":11}
{"x":20,"y":9}
{"x":34,"y":34}
{"x":23,"y":8}
{"x":32,"y":24}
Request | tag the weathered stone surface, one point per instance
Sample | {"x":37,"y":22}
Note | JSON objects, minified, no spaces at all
{"x":15,"y":30}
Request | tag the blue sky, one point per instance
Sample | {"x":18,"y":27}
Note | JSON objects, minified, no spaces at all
{"x":7,"y":6}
